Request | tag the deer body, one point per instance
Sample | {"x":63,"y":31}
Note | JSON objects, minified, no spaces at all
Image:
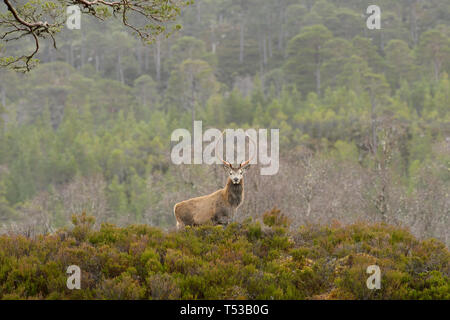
{"x":218,"y":207}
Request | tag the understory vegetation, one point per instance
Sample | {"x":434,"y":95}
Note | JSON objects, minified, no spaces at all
{"x":258,"y":259}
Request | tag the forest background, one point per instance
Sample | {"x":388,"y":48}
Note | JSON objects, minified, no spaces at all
{"x":363,"y":115}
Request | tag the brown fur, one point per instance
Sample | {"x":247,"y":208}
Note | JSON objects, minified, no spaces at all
{"x":218,"y":207}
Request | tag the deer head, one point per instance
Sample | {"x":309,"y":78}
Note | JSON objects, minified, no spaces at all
{"x":235,"y":174}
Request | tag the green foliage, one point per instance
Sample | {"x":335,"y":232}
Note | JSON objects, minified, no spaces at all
{"x":275,"y":218}
{"x":236,"y":262}
{"x":104,"y":105}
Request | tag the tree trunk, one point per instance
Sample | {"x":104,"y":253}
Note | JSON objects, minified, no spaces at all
{"x":270,"y":37}
{"x":140,"y":58}
{"x":83,"y":50}
{"x":265,"y":50}
{"x":158,"y":58}
{"x":318,"y":80}
{"x":120,"y":76}
{"x":373,"y":124}
{"x":413,"y":22}
{"x":193,"y":106}
{"x":199,"y":15}
{"x":261,"y":54}
{"x":97,"y":63}
{"x":213,"y":40}
{"x":71,"y":62}
{"x":241,"y":39}
{"x":146,"y":58}
{"x":144,"y":99}
{"x":52,"y":53}
{"x":3,"y":96}
{"x":437,"y":68}
{"x":281,"y":29}
{"x":308,"y":208}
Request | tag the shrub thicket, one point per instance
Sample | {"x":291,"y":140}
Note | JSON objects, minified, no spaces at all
{"x":242,"y":261}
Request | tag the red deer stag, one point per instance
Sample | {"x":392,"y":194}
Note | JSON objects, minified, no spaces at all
{"x":219,"y":207}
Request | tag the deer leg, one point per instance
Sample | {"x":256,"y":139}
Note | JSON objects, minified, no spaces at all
{"x":180,"y":225}
{"x":233,"y":215}
{"x":220,"y":217}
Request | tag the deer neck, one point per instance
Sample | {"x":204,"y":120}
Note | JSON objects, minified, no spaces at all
{"x":234,"y":193}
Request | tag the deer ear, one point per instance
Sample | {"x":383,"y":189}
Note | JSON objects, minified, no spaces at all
{"x":225,"y":167}
{"x":245,"y":165}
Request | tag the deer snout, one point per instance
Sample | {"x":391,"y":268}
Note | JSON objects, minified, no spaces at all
{"x":235,"y":180}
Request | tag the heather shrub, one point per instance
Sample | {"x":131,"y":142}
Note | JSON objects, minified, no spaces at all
{"x":251,"y":260}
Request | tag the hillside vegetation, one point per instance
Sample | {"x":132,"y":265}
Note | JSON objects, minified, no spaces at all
{"x":253,"y":260}
{"x":363,"y":115}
